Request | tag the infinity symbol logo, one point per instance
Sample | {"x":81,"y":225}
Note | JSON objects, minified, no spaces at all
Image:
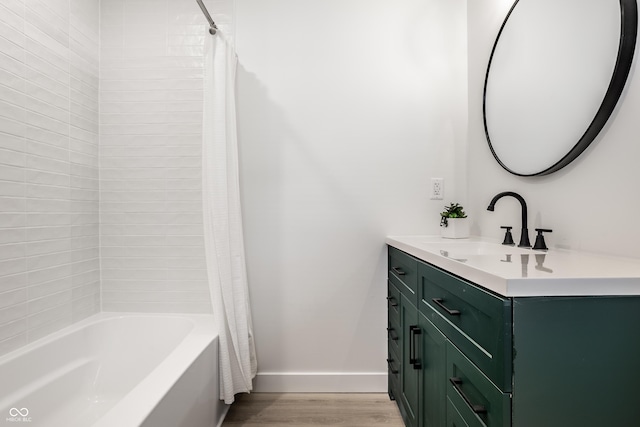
{"x":14,"y":412}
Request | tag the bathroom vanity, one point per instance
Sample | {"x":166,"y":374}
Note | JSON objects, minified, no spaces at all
{"x":482,"y":334}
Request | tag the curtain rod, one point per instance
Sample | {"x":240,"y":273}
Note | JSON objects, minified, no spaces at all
{"x":212,"y":28}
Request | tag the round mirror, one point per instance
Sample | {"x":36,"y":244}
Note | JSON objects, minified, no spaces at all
{"x":555,"y":74}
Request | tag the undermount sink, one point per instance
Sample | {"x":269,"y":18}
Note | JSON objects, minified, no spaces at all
{"x":466,"y":248}
{"x":479,"y":248}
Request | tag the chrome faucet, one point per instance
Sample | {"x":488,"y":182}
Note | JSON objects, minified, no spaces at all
{"x":524,"y":234}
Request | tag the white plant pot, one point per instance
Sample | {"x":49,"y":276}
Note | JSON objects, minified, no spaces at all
{"x":457,"y":228}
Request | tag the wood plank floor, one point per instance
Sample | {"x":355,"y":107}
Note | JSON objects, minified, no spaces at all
{"x":311,"y":409}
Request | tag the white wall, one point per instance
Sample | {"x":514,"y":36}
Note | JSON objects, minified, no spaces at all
{"x":49,"y":264}
{"x":583,"y":202}
{"x":152,"y":249}
{"x":346,"y":109}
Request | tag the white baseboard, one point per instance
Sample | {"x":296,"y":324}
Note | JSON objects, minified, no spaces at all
{"x":223,"y":415}
{"x":320,"y":382}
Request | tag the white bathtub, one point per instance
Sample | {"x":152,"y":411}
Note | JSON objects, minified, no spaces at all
{"x":116,"y":370}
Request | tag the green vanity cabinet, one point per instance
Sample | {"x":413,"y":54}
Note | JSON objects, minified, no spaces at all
{"x":578,"y":362}
{"x":476,"y":321}
{"x":402,"y":318}
{"x":417,"y":359}
{"x":454,"y":419}
{"x":409,"y":381}
{"x":473,"y":395}
{"x":403,"y":271}
{"x":394,"y":333}
{"x":432,"y":352}
{"x":424,"y":369}
{"x":425,"y":337}
{"x":472,"y":358}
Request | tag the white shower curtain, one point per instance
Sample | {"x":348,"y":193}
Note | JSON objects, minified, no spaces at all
{"x":224,"y":246}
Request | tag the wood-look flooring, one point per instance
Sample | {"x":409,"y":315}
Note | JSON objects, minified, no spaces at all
{"x":311,"y":409}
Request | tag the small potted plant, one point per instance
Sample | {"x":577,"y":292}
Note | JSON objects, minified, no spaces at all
{"x":453,"y":222}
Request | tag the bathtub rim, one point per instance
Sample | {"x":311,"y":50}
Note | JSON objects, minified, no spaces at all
{"x":76,"y":326}
{"x":142,"y":399}
{"x":138,"y":404}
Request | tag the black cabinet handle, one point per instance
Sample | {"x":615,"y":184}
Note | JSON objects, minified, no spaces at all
{"x":411,"y":355}
{"x":392,"y":301}
{"x":414,"y":330}
{"x":416,"y":362}
{"x":390,"y":335}
{"x":457,"y":382}
{"x":398,"y":271}
{"x":439,"y":302}
{"x":393,"y":371}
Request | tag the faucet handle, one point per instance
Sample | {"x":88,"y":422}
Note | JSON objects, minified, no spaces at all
{"x":508,"y":238}
{"x":540,"y":243}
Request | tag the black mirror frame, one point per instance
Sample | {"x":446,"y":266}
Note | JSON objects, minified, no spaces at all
{"x":628,"y":35}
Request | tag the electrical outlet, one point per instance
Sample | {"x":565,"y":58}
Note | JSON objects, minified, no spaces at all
{"x":437,"y":188}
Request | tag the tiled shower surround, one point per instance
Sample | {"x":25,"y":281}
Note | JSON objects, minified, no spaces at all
{"x":151,"y":129}
{"x":49,"y":243}
{"x":100,"y":128}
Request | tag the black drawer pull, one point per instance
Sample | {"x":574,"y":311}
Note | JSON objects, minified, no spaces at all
{"x":398,"y":271}
{"x":439,"y":303}
{"x":393,"y":371}
{"x":393,"y":302}
{"x":390,"y":335}
{"x":457,"y":382}
{"x":414,"y":330}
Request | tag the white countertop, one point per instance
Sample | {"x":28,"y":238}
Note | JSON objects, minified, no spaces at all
{"x":516,"y":272}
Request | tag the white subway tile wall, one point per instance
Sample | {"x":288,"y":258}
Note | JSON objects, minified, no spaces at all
{"x":49,"y":211}
{"x":151,"y":92}
{"x":125,"y":74}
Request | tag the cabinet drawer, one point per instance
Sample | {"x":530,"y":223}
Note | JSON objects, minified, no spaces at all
{"x":394,"y":388}
{"x":395,"y":366}
{"x":394,"y":369}
{"x":454,"y":418}
{"x":476,"y":321}
{"x":393,"y":303}
{"x":394,"y":336}
{"x":476,"y":399}
{"x":403,"y":270}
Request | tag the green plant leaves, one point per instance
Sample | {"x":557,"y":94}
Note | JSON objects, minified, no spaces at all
{"x":454,"y":210}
